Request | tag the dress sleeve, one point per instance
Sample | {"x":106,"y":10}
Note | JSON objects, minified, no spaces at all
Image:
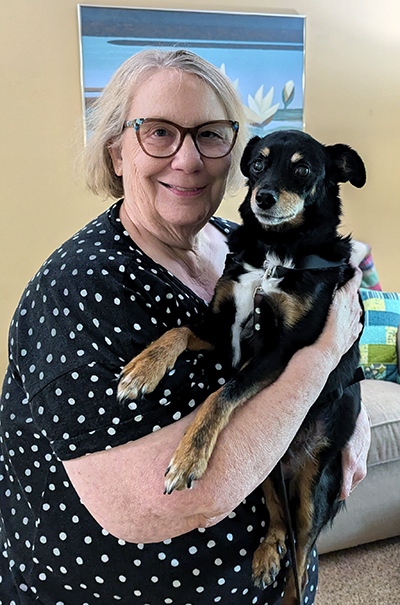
{"x":72,"y":342}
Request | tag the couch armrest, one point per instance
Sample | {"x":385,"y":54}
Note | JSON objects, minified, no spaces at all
{"x":381,"y":398}
{"x":398,"y":348}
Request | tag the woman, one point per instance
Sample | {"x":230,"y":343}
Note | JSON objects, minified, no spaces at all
{"x":97,"y":528}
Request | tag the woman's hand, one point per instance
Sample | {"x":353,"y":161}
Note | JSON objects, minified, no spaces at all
{"x":342,"y":329}
{"x":343,"y":325}
{"x":354,"y":456}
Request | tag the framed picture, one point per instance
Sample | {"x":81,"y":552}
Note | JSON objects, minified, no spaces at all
{"x":263,"y":55}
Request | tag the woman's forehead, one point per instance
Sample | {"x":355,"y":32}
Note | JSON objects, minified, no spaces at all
{"x":177,"y":95}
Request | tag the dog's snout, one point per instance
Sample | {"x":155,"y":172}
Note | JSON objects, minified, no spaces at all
{"x":266,"y":198}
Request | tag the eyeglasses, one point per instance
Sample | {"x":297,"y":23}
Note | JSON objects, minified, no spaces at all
{"x":162,"y":138}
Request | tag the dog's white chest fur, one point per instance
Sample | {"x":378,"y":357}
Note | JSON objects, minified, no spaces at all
{"x":255,"y":278}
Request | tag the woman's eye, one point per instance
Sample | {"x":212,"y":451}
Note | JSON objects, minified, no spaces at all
{"x":258,"y":165}
{"x":209,"y":134}
{"x":302,"y":171}
{"x":160,"y":132}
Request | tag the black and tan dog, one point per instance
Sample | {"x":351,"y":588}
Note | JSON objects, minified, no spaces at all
{"x":286,"y":261}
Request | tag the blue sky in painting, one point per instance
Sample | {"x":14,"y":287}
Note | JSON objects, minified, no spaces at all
{"x":257,"y":50}
{"x":251,"y":67}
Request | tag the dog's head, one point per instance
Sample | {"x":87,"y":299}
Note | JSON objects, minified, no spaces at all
{"x":289,"y":172}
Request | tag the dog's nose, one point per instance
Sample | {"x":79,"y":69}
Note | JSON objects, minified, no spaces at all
{"x":266,"y":198}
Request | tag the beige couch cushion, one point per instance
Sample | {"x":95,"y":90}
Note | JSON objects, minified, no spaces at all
{"x":382,"y":400}
{"x":373,"y":509}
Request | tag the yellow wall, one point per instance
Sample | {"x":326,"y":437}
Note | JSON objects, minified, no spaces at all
{"x":352,"y":96}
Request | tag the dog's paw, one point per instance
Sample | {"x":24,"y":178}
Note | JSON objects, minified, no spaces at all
{"x":131,"y":386}
{"x":187,"y":465}
{"x":267,"y":559}
{"x":143,"y":374}
{"x":140,"y":376}
{"x":180,"y":475}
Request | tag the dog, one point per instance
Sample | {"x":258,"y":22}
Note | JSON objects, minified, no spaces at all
{"x":285,"y":263}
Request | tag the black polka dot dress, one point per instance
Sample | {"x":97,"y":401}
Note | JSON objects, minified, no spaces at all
{"x":93,"y":305}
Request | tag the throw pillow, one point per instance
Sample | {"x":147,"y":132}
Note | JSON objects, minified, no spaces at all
{"x":378,"y":340}
{"x":369,"y":274}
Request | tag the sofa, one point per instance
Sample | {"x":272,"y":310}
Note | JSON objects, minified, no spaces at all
{"x":373,"y":509}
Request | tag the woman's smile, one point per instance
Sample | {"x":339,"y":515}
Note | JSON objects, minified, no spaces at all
{"x":183,"y":191}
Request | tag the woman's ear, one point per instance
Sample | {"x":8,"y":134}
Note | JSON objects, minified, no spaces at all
{"x":116,"y":157}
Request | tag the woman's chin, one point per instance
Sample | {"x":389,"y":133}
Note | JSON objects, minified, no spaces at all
{"x":186,"y":213}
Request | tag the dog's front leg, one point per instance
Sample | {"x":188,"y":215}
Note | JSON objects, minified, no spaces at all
{"x":144,"y":372}
{"x":195,"y":448}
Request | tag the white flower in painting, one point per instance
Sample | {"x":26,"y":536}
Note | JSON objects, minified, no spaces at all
{"x":235,"y":83}
{"x":259,"y":111}
{"x":288,"y":93}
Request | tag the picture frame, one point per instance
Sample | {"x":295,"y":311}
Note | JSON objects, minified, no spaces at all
{"x":262,"y":54}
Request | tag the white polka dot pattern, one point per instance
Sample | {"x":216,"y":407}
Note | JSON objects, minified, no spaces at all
{"x":92,"y":306}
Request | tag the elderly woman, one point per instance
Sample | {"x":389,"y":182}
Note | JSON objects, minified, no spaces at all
{"x":84,"y":517}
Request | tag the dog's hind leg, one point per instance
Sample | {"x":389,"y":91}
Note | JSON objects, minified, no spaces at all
{"x":311,"y":517}
{"x":144,"y":372}
{"x":267,"y":558}
{"x":304,"y":536}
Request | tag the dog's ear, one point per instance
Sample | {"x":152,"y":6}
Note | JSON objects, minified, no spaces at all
{"x":347,"y":165}
{"x":244,"y":162}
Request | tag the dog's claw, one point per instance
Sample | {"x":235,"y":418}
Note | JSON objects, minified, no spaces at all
{"x":181,"y":474}
{"x":190,"y":481}
{"x":173,"y":483}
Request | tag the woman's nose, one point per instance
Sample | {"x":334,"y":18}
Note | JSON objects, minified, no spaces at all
{"x":187,"y":157}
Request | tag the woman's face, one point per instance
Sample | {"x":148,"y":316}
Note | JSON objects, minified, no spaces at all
{"x":182,"y":191}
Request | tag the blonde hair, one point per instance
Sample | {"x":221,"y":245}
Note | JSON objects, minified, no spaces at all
{"x":110,"y":111}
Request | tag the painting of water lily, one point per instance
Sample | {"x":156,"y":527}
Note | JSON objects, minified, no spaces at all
{"x":262,"y":54}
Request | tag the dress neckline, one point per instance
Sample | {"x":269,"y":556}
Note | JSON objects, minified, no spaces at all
{"x":221,"y":224}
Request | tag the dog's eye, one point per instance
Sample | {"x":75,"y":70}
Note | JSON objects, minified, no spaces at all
{"x":258,"y":165}
{"x":302,"y":171}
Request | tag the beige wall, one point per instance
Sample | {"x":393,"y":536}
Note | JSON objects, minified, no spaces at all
{"x":352,"y":96}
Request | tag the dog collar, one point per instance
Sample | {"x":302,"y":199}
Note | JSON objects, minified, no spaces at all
{"x":312,"y":262}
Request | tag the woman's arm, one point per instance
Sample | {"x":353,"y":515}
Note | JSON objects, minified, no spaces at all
{"x":123,"y":487}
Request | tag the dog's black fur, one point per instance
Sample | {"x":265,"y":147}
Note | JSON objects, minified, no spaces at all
{"x":289,"y":248}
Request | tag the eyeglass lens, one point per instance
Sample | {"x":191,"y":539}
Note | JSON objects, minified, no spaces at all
{"x":161,"y":139}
